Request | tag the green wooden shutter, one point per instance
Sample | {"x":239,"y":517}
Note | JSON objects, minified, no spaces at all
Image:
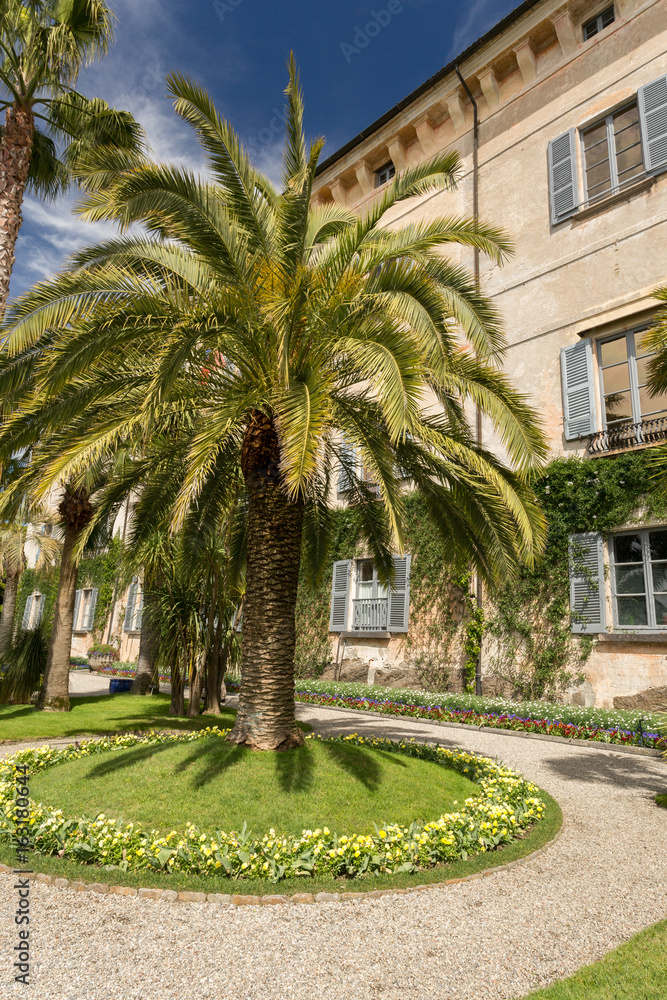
{"x":340,"y":592}
{"x":139,"y":614}
{"x":579,"y":405}
{"x":128,"y":623}
{"x":587,"y":597}
{"x":77,"y":605}
{"x":25,"y":621}
{"x":652,"y":102}
{"x":399,"y":595}
{"x":563,"y":181}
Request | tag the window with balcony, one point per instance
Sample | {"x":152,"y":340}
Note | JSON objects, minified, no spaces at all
{"x":598,"y":23}
{"x":630,"y":415}
{"x":384,"y":174}
{"x":639,"y":579}
{"x":361,"y":603}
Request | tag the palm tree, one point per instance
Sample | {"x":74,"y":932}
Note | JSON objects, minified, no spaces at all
{"x":15,"y":531}
{"x":43,"y":46}
{"x":280,"y":334}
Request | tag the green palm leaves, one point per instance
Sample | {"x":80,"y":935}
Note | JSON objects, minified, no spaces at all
{"x":343,"y":332}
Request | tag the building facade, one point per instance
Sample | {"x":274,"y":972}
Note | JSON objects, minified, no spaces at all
{"x":559,"y":115}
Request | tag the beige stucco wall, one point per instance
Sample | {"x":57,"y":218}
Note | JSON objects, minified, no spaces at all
{"x":590,"y":275}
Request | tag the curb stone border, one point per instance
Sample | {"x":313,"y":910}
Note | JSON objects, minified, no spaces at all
{"x":589,"y":744}
{"x":306,"y":898}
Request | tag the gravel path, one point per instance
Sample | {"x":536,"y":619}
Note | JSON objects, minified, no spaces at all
{"x":494,"y":938}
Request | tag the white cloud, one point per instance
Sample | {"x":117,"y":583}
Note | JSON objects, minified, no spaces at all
{"x":477,"y":18}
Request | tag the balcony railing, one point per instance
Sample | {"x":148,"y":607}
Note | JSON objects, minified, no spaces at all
{"x":370,"y":613}
{"x":628,"y":436}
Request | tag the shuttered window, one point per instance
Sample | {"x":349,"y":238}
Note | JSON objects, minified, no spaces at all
{"x":639,"y":579}
{"x":134,"y":607}
{"x":587,"y":597}
{"x":652,"y":101}
{"x":373,"y":607}
{"x":347,"y":469}
{"x":84,"y":610}
{"x":563,"y":186}
{"x":579,"y":405}
{"x":27,"y":612}
{"x":399,"y":595}
{"x":340,"y":594}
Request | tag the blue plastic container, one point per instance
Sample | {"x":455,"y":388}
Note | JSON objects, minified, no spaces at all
{"x":119,"y":684}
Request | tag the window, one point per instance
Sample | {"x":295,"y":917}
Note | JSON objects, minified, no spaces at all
{"x":612,"y":150}
{"x":639,"y":579}
{"x":360,"y":602}
{"x":623,"y":365}
{"x":84,"y":610}
{"x":598,"y":23}
{"x":351,"y":468}
{"x":627,"y":144}
{"x":384,"y":174}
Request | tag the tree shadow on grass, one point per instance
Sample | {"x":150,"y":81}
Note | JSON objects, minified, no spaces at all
{"x":217,"y":755}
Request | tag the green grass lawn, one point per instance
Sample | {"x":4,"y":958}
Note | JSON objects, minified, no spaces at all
{"x":218,"y":786}
{"x":662,"y":800}
{"x":635,"y":971}
{"x":101,"y":714}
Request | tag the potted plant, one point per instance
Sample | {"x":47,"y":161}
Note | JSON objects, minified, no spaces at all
{"x":102,"y":655}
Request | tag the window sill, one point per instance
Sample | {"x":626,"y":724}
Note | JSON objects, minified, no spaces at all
{"x":588,"y":211}
{"x":365,"y":634}
{"x":634,"y":637}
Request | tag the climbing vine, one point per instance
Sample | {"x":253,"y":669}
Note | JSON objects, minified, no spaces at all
{"x":524,"y":629}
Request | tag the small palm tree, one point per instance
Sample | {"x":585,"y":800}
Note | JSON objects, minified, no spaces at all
{"x":43,"y":46}
{"x":257,"y":331}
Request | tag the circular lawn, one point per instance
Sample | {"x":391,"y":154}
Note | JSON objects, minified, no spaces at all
{"x":217,"y":785}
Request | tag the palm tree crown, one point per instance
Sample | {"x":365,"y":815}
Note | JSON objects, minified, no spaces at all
{"x":253,"y":328}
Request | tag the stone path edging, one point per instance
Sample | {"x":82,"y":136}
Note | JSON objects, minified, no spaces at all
{"x":171,"y":896}
{"x":571,"y":741}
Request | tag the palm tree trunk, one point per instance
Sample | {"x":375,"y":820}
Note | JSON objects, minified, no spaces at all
{"x":15,"y":153}
{"x":196,"y":687}
{"x":8,"y":612}
{"x":148,"y":642}
{"x":54,"y":696}
{"x":177,"y":706}
{"x":266,"y":719}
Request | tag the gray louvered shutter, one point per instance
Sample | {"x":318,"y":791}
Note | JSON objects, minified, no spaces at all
{"x":563,"y":182}
{"x":26,"y":612}
{"x":139,"y":613}
{"x":90,"y":617}
{"x":347,"y":453}
{"x":399,"y":596}
{"x":652,"y":101}
{"x":77,"y":605}
{"x":579,"y":403}
{"x":587,"y":598}
{"x":128,"y":623}
{"x":40,"y":608}
{"x":340,"y":592}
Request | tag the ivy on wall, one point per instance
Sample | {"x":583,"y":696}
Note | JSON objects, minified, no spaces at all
{"x":528,"y":643}
{"x":98,"y":571}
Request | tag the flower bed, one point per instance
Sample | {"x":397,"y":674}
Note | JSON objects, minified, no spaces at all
{"x":127,"y":669}
{"x":507,"y":804}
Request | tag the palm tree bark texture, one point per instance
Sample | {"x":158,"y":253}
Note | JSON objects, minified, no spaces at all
{"x":15,"y":153}
{"x":76,"y":511}
{"x":266,"y":719}
{"x":8,"y":612}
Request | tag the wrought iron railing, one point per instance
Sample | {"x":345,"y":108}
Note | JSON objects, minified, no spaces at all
{"x":628,"y":436}
{"x":370,"y":613}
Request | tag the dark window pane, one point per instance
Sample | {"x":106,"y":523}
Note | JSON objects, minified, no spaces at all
{"x":624,"y":121}
{"x":618,"y":407}
{"x":596,"y":136}
{"x":630,"y":580}
{"x":653,"y":405}
{"x":607,"y":17}
{"x":366,"y":570}
{"x":616,"y":379}
{"x":659,"y":577}
{"x":628,"y":549}
{"x":640,"y":349}
{"x":661,"y":611}
{"x":657,"y":541}
{"x":598,"y":178}
{"x":632,"y":611}
{"x":642,"y":368}
{"x":614,"y":351}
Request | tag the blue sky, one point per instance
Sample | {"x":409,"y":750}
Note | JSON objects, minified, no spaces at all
{"x":237,"y":50}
